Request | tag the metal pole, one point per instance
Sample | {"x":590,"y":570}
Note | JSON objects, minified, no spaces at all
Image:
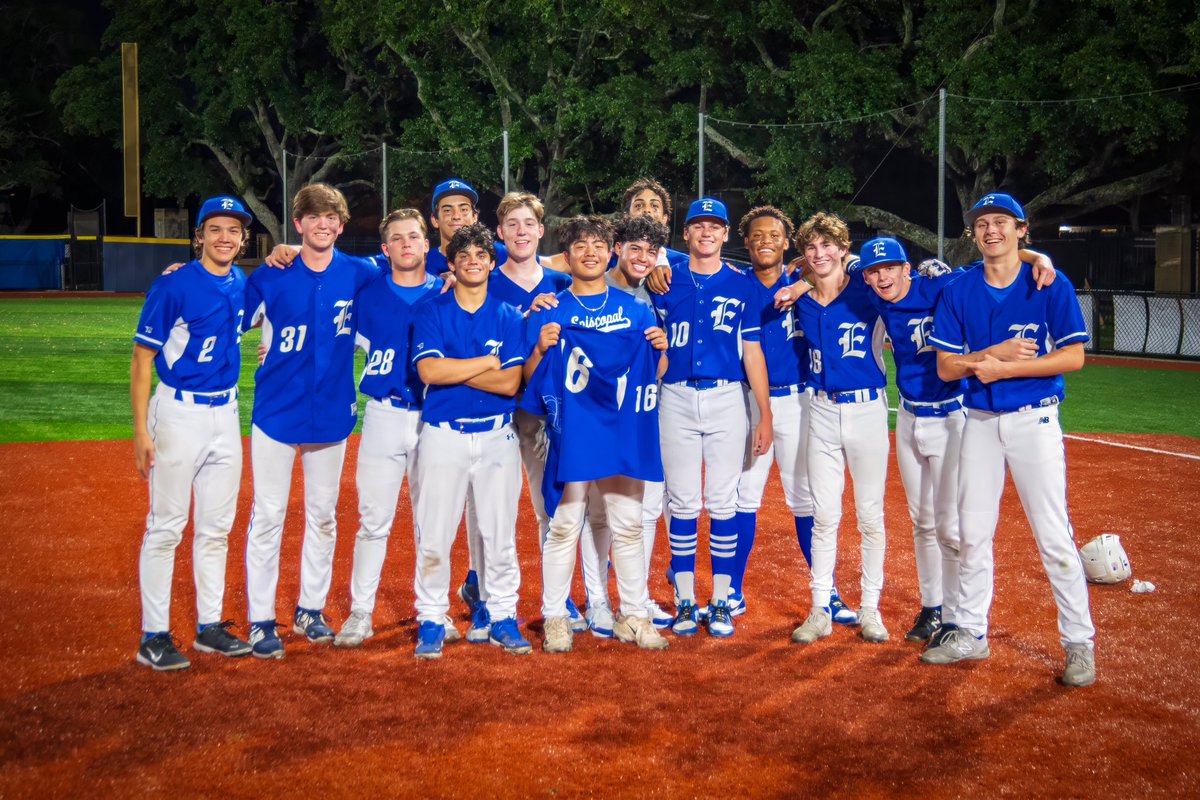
{"x":385,"y":192}
{"x":701,"y":159}
{"x":505,"y":160}
{"x":283,"y":218}
{"x":941,"y":174}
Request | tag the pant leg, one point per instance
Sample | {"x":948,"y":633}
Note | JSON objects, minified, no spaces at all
{"x":495,"y":475}
{"x":216,"y":486}
{"x":980,"y":486}
{"x":943,"y":464}
{"x":322,"y":482}
{"x":916,"y":474}
{"x":865,"y":435}
{"x":443,"y":475}
{"x":558,"y":551}
{"x":530,"y":429}
{"x":682,"y":457}
{"x":622,"y":499}
{"x":827,"y":478}
{"x":271,"y":462}
{"x":653,"y":503}
{"x":724,"y":420}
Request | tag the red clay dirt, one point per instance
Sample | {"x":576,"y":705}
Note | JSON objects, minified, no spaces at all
{"x":752,"y":716}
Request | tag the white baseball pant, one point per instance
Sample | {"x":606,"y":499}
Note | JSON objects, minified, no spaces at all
{"x":613,"y":507}
{"x":841,"y":435}
{"x":272,"y":463}
{"x":387,"y":451}
{"x":197,"y":449}
{"x":1030,"y":443}
{"x":927,"y":454}
{"x":789,"y":450}
{"x":451,"y":463}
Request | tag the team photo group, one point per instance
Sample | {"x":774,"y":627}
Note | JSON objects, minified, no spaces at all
{"x":624,"y":382}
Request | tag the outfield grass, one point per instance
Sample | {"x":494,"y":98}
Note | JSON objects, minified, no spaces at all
{"x":64,"y":376}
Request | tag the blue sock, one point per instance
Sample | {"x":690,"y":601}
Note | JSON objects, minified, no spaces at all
{"x":200,"y":628}
{"x":747,"y":522}
{"x":472,"y":577}
{"x":804,"y":528}
{"x":148,"y":635}
{"x":682,"y":536}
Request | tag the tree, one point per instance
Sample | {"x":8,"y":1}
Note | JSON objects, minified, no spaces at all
{"x":229,"y":88}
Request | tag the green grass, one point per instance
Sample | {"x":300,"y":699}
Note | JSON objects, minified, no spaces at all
{"x":64,"y":376}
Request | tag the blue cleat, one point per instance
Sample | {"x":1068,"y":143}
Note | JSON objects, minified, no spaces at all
{"x":579,"y":622}
{"x":506,"y":634}
{"x":469,"y":594}
{"x":311,"y":625}
{"x":264,"y":640}
{"x":685,"y":619}
{"x":430,"y":636}
{"x":481,"y":625}
{"x":720,"y":623}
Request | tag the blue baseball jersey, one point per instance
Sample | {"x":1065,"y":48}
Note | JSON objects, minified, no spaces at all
{"x":194,"y":320}
{"x":444,"y":329}
{"x":504,"y":288}
{"x":304,"y":391}
{"x":613,"y":311}
{"x":706,"y":317}
{"x":599,"y":393}
{"x":970,"y":318}
{"x":385,"y":325}
{"x":909,"y":323}
{"x":435,"y":260}
{"x":783,"y":342}
{"x":845,"y":339}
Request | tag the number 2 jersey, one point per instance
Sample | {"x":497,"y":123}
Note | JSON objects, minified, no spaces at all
{"x":598,"y":391}
{"x":304,"y":390}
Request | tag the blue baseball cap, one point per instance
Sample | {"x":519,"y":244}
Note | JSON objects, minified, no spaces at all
{"x":223,"y":205}
{"x":454,"y":186}
{"x":707,"y":208}
{"x":884,"y":250}
{"x":990,"y":203}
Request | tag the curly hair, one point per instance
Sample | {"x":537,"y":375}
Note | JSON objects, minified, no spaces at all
{"x":766,"y":211}
{"x":831,"y":226}
{"x":641,"y":185}
{"x":476,"y":235}
{"x":639,"y":228}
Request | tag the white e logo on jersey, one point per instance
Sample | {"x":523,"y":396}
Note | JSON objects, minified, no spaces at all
{"x":854,"y":335}
{"x":1020,"y":331}
{"x":493,"y":347}
{"x":920,"y":335}
{"x":342,"y":318}
{"x":726,"y":308}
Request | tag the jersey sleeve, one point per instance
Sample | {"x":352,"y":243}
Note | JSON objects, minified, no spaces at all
{"x":643,"y":316}
{"x":512,"y":347}
{"x":367,"y":270}
{"x":255,"y":306}
{"x":948,"y":334}
{"x":427,"y":333}
{"x":533,"y":328}
{"x":752,"y":316}
{"x":158,"y":315}
{"x":1064,"y":317}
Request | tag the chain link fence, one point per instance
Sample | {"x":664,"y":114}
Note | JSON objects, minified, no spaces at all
{"x":1142,"y":323}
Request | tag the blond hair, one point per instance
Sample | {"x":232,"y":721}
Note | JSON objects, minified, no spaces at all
{"x":831,"y":226}
{"x":514,"y":200}
{"x":402,"y":214}
{"x":320,"y":198}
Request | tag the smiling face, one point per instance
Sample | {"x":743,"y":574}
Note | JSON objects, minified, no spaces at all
{"x":890,"y":280}
{"x":636,"y":260}
{"x":766,"y":240}
{"x":454,"y":211}
{"x":319,"y":230}
{"x":824,"y":256}
{"x":472,"y":266}
{"x":520,"y":230}
{"x":220,"y":239}
{"x":998,"y":234}
{"x":587,"y":258}
{"x":705,"y":237}
{"x":405,"y":245}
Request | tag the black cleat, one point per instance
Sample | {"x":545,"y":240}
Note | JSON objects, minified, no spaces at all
{"x":216,"y":638}
{"x":160,"y":654}
{"x":928,"y":621}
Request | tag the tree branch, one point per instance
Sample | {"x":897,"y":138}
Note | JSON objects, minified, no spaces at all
{"x":747,"y":159}
{"x":497,"y":76}
{"x":878,"y":218}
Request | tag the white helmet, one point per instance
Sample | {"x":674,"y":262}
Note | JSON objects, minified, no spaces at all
{"x":1104,"y":559}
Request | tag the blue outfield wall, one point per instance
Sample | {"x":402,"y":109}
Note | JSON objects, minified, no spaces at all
{"x":131,"y":265}
{"x":28,"y":262}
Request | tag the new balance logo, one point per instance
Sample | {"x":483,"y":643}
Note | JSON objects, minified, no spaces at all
{"x":1044,"y":421}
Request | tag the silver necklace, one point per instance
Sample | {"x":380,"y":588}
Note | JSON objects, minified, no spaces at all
{"x":589,"y":309}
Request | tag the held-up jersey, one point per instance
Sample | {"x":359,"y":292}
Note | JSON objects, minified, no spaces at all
{"x":909,"y":324}
{"x":194,"y":320}
{"x":845,"y":339}
{"x":443,"y":329}
{"x":385,"y":325}
{"x":435,"y":259}
{"x":969,"y":319}
{"x":615,"y":310}
{"x":504,"y":288}
{"x":599,"y":393}
{"x":304,"y":391}
{"x":783,"y":342}
{"x":706,"y":318}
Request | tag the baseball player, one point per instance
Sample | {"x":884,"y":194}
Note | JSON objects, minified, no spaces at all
{"x":594,"y":366}
{"x":1012,"y":421}
{"x":305,"y":401}
{"x":848,"y":422}
{"x":468,"y":349}
{"x":186,"y":438}
{"x":455,"y":205}
{"x":713,"y":344}
{"x":392,"y":418}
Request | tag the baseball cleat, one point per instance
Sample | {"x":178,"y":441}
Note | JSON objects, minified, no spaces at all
{"x":841,"y":613}
{"x":430,"y":636}
{"x":657,"y":616}
{"x":872,"y":625}
{"x":506,"y":634}
{"x":216,"y":638}
{"x":736,"y":603}
{"x":1081,"y":666}
{"x":469,"y":594}
{"x":600,"y":620}
{"x":640,"y":631}
{"x":481,"y":625}
{"x":559,"y":637}
{"x":940,"y":633}
{"x":818,"y":625}
{"x":685,"y":619}
{"x":579,"y":622}
{"x":264,"y":640}
{"x":452,"y":634}
{"x":355,"y":630}
{"x":311,"y":624}
{"x":160,"y":654}
{"x":928,"y":621}
{"x":957,"y":645}
{"x":720,"y":621}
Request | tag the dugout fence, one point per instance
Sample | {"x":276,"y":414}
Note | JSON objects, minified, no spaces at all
{"x":1142,"y":323}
